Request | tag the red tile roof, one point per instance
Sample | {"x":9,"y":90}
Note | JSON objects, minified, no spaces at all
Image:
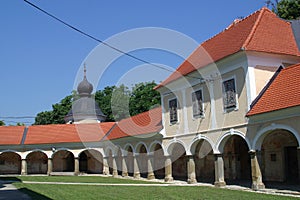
{"x":283,"y":91}
{"x":67,"y":133}
{"x":11,"y":135}
{"x":261,"y":31}
{"x":144,"y":123}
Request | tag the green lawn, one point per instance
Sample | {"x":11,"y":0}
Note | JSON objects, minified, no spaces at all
{"x":54,"y":191}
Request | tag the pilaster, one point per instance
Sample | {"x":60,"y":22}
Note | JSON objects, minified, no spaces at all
{"x":136,"y":171}
{"x":50,"y":166}
{"x":219,"y":171}
{"x":191,"y":169}
{"x":168,"y":169}
{"x":150,"y":175}
{"x":124,"y":167}
{"x":255,"y":172}
{"x":105,"y":166}
{"x":24,"y":167}
{"x":76,"y":166}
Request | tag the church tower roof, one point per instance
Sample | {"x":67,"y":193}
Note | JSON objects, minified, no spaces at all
{"x":84,"y":88}
{"x":85,"y":109}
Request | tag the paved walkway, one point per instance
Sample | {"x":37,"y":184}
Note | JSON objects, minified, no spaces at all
{"x":10,"y":192}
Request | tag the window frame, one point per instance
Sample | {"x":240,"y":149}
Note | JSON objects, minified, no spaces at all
{"x":202,"y":115}
{"x":169,"y":107}
{"x":236,"y":107}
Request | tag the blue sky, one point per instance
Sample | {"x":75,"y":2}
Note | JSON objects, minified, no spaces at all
{"x":41,"y":58}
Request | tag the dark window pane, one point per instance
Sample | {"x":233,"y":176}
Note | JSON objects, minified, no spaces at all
{"x":229,"y":97}
{"x":173,"y":110}
{"x":197,"y":103}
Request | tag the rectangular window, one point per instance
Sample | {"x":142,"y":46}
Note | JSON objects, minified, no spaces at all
{"x":173,"y":111}
{"x":229,"y":94}
{"x":197,"y":102}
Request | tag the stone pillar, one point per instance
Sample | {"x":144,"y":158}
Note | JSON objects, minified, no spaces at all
{"x":136,"y":171}
{"x":191,"y":169}
{"x":24,"y":167}
{"x":76,"y":166}
{"x":105,"y":166}
{"x":168,"y":169}
{"x":255,"y":172}
{"x":115,"y":167}
{"x":50,"y":166}
{"x":219,"y":171}
{"x":150,"y":175}
{"x":124,"y":167}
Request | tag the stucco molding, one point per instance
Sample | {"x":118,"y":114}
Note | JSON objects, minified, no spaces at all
{"x":262,"y":133}
{"x":224,"y":137}
{"x":193,"y":144}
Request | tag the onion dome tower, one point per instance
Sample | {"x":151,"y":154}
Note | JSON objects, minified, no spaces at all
{"x":85,"y":109}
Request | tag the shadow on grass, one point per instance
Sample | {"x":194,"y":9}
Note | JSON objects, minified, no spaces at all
{"x":283,"y":185}
{"x":33,"y":195}
{"x":23,"y":193}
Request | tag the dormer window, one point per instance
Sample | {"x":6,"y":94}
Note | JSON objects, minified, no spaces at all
{"x":229,"y":94}
{"x":173,"y":111}
{"x":197,"y":103}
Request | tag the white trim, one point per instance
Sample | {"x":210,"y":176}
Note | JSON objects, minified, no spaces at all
{"x":223,"y":139}
{"x":213,"y":122}
{"x":151,"y":146}
{"x":173,"y":142}
{"x":198,"y":138}
{"x":138,"y":144}
{"x":184,"y":110}
{"x":250,"y":85}
{"x":33,"y":151}
{"x":106,"y":151}
{"x":125,"y":149}
{"x":259,"y":137}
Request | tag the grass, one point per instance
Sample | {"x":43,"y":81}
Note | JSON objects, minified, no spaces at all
{"x":53,"y":191}
{"x":79,"y":179}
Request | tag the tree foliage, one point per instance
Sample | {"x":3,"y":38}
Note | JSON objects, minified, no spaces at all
{"x":285,"y":9}
{"x":115,"y":102}
{"x":143,"y":98}
{"x":288,"y":9}
{"x":2,"y":123}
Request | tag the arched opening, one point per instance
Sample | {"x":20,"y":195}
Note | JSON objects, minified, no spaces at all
{"x":91,"y":162}
{"x":129,"y":161}
{"x":179,"y":164}
{"x":10,"y":163}
{"x":119,"y":161}
{"x":142,"y":161}
{"x":204,"y":162}
{"x":279,"y":157}
{"x":158,"y":162}
{"x":37,"y":163}
{"x":63,"y":161}
{"x":237,"y":163}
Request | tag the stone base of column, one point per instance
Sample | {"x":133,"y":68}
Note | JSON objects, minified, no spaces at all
{"x":76,"y":173}
{"x":136,"y":175}
{"x":169,"y":179}
{"x":220,"y":184}
{"x":192,"y":181}
{"x":150,"y":176}
{"x":258,"y":186}
{"x":125,"y":174}
{"x":23,"y":173}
